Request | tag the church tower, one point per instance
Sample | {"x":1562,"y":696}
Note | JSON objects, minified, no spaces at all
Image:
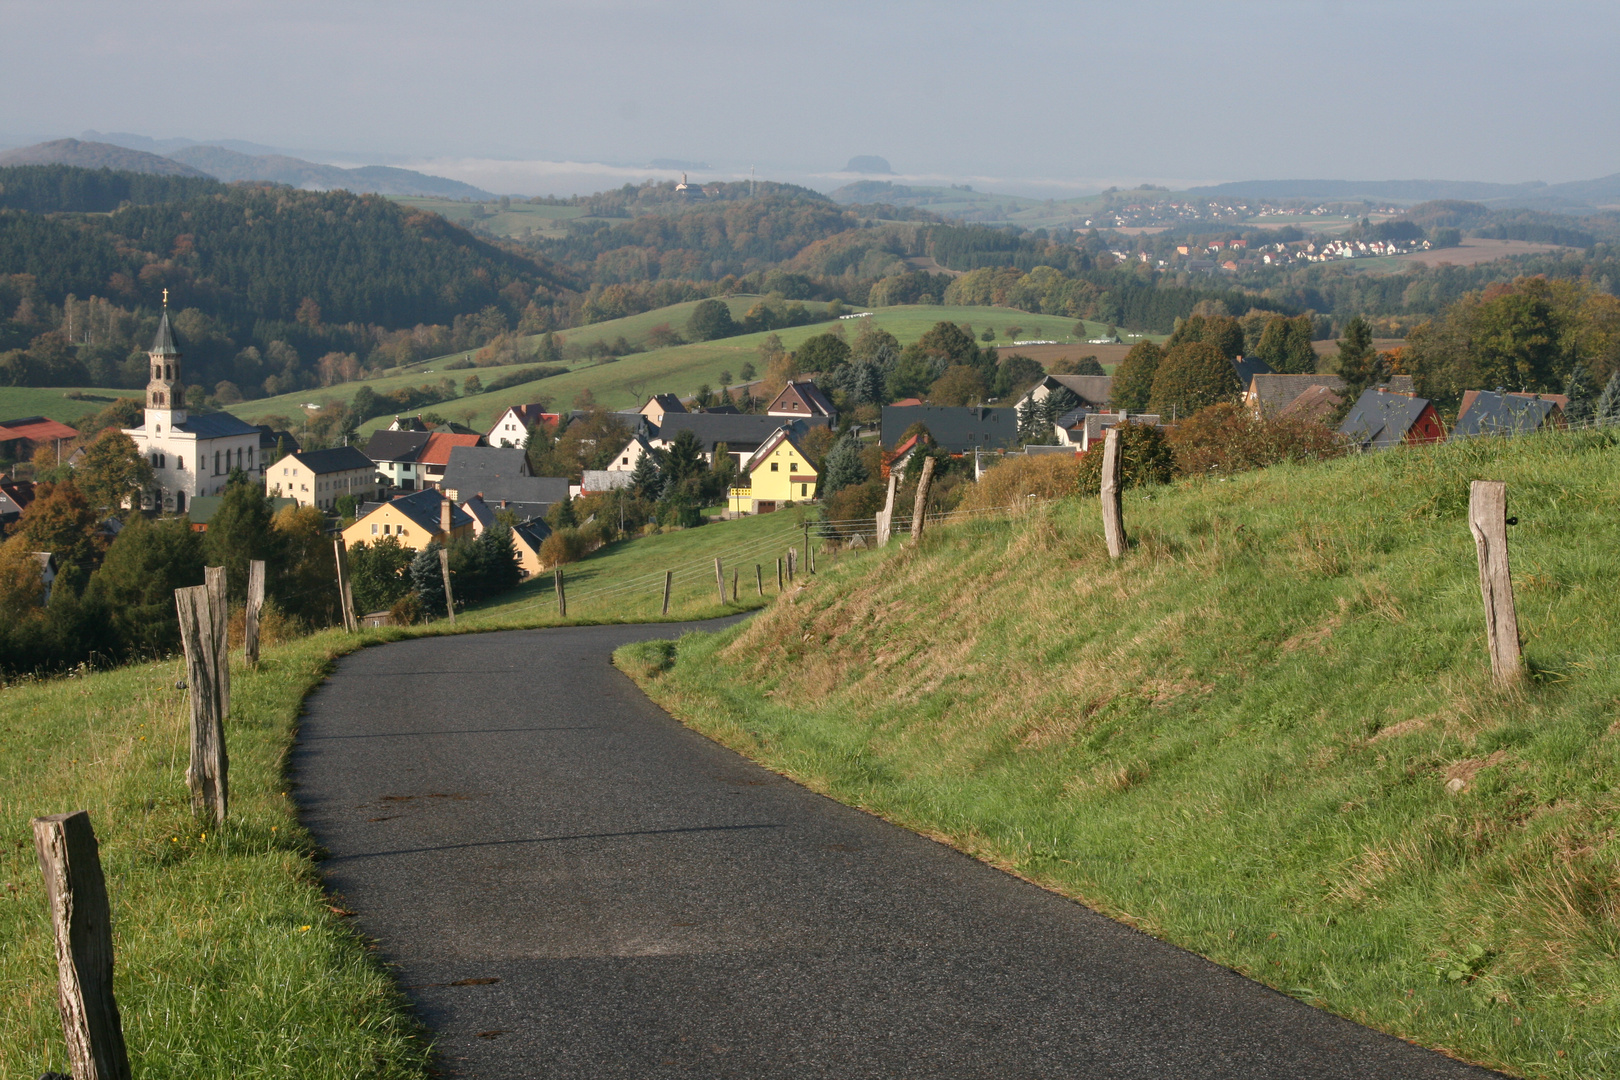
{"x":165,"y":393}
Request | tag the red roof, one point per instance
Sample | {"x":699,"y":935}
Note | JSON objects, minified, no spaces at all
{"x":35,"y":428}
{"x":437,"y":449}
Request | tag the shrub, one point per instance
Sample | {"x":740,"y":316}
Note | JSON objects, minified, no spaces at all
{"x":1046,"y":476}
{"x":1228,"y":438}
{"x":562,"y":546}
{"x":406,"y":610}
{"x":1147,"y":459}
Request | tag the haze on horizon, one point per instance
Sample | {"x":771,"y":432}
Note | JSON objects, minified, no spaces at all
{"x":1061,"y":96}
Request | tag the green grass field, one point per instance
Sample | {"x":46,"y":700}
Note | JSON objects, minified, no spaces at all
{"x":1268,"y":734}
{"x":20,"y":401}
{"x":680,"y":369}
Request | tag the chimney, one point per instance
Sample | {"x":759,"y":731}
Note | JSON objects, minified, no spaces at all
{"x":444,"y":518}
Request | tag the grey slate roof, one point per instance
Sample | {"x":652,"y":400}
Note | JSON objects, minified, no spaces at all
{"x":1273,"y":392}
{"x":1503,"y":414}
{"x":1093,"y":390}
{"x":422,"y":507}
{"x":396,"y":445}
{"x":483,"y":468}
{"x":219,"y":425}
{"x":1380,"y":420}
{"x":163,"y":343}
{"x":337,"y":459}
{"x":741,"y":432}
{"x":604,"y":480}
{"x":269,"y":438}
{"x":958,"y":430}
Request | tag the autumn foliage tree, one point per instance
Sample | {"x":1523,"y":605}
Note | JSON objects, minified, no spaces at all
{"x":1133,"y":379}
{"x":1192,"y":376}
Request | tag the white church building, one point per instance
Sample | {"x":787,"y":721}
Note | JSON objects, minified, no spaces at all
{"x":190,"y":455}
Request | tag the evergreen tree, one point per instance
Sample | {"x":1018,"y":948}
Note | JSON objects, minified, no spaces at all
{"x":380,"y":573}
{"x":239,"y":533}
{"x":561,"y":515}
{"x":683,"y":459}
{"x":1608,"y":403}
{"x":427,"y":579}
{"x":646,"y":482}
{"x":1057,"y":403}
{"x":843,"y":467}
{"x":1578,"y":388}
{"x":1360,"y":366}
{"x":1133,"y":379}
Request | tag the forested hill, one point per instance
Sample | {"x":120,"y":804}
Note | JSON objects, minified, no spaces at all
{"x":58,"y":188}
{"x":308,"y":273}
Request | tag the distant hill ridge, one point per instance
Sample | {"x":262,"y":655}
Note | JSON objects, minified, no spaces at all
{"x":1574,"y":195}
{"x":219,"y":163}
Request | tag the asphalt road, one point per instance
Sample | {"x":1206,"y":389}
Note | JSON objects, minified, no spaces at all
{"x":574,"y":885}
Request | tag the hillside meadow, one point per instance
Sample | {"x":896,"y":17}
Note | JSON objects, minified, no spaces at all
{"x":1268,"y":734}
{"x":680,"y":369}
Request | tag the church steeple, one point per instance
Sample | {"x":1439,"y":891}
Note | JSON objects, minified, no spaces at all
{"x":165,"y":392}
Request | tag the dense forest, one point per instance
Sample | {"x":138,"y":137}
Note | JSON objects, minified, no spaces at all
{"x":59,"y":188}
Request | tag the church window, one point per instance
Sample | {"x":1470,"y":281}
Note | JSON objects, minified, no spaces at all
{"x":157,"y":372}
{"x":180,"y":463}
{"x":216,"y":462}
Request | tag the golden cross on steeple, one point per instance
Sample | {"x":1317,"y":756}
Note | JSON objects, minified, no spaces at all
{"x":165,"y":299}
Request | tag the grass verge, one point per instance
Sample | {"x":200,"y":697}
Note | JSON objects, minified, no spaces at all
{"x":229,"y":960}
{"x":1268,"y":734}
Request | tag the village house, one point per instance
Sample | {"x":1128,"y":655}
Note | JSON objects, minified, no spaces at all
{"x":434,"y":456}
{"x":1094,"y":391}
{"x":801,"y":398}
{"x":500,"y":476}
{"x":319,"y":478}
{"x":1485,"y":412}
{"x":20,"y":438}
{"x":527,"y":536}
{"x":1382,"y":420}
{"x":740,"y":433}
{"x":414,"y":521}
{"x":777,"y":473}
{"x":394,"y":453}
{"x":660,"y":405}
{"x":1081,"y":428}
{"x":512,"y":427}
{"x":957,"y":429}
{"x":189,"y":455}
{"x":625,"y":460}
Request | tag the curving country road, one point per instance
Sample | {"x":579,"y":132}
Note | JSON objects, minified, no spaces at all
{"x":571,"y":884}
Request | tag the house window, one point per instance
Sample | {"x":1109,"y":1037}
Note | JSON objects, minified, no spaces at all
{"x":804,"y":489}
{"x":374,"y":530}
{"x":773,"y":466}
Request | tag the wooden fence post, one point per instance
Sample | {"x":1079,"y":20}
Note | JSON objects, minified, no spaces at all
{"x":1487,"y":518}
{"x":207,"y":773}
{"x":562,"y":596}
{"x":250,"y":622}
{"x":792,"y":563}
{"x":734,"y":574}
{"x":885,"y":517}
{"x":219,"y":606}
{"x":340,"y":553}
{"x":1112,"y":511}
{"x":920,"y":511}
{"x":669,"y":578}
{"x":449,"y":597}
{"x":759,"y":579}
{"x":82,"y":921}
{"x":778,"y":575}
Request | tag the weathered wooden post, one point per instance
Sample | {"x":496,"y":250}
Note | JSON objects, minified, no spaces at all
{"x":250,"y":622}
{"x":562,"y":596}
{"x":669,"y":578}
{"x":1487,"y":518}
{"x":759,"y":579}
{"x":919,"y":512}
{"x":449,"y":597}
{"x":806,"y":546}
{"x":219,"y":605}
{"x":1112,"y":511}
{"x":340,"y":553}
{"x":885,"y":517}
{"x":778,"y":575}
{"x":792,"y":561}
{"x":734,"y":574}
{"x":207,"y":773}
{"x":82,"y":921}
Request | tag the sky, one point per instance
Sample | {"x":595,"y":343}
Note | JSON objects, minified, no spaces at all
{"x":1037,"y":97}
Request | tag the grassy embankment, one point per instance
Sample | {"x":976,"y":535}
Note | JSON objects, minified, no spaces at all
{"x":20,"y":401}
{"x":229,"y":962}
{"x":1243,"y":737}
{"x":678,"y":369}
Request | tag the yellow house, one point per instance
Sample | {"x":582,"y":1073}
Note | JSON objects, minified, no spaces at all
{"x":320,"y":477}
{"x":415,"y":520}
{"x":778,"y":472}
